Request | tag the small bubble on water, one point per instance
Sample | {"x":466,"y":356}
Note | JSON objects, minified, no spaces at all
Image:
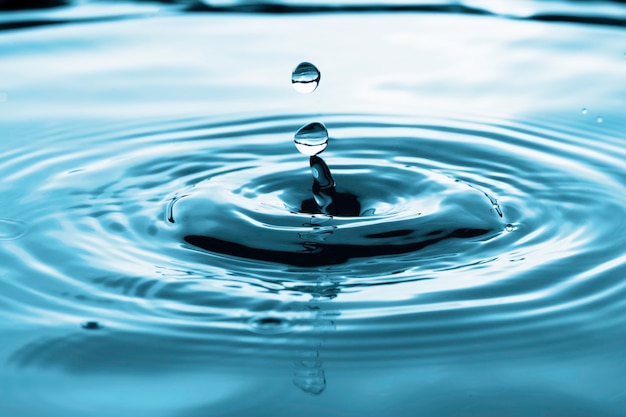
{"x":311,"y":139}
{"x":584,"y":111}
{"x":91,"y":325}
{"x":599,"y":119}
{"x":305,"y":78}
{"x":509,"y":227}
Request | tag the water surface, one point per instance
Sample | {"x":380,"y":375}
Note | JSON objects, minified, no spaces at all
{"x":162,"y":252}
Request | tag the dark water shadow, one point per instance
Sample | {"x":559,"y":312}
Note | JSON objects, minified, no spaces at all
{"x":314,"y":254}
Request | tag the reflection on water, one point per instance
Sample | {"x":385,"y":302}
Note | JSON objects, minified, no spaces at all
{"x":459,"y":250}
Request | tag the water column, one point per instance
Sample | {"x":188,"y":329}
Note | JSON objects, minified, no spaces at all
{"x":311,"y":139}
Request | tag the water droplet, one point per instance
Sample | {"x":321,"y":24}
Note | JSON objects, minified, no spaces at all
{"x":311,"y":139}
{"x":509,"y":227}
{"x":11,"y":229}
{"x":584,"y":110}
{"x":599,"y":119}
{"x":4,"y":96}
{"x":305,"y":78}
{"x":91,"y":325}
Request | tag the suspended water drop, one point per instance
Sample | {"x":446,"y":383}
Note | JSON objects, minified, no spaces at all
{"x":584,"y":110}
{"x":509,"y":227}
{"x":599,"y":119}
{"x":305,"y":78}
{"x":311,"y":139}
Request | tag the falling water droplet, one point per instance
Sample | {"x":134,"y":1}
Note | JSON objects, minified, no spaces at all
{"x":305,"y":78}
{"x":584,"y":110}
{"x":311,"y":139}
{"x":11,"y":229}
{"x":599,"y":119}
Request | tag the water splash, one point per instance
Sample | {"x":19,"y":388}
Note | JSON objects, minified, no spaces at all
{"x":305,"y":78}
{"x":412,"y":295}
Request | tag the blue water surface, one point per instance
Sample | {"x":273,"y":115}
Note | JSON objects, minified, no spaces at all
{"x":162,"y":251}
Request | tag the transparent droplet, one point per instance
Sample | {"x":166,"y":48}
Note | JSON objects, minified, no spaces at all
{"x":599,"y":119}
{"x":305,"y":78}
{"x":509,"y":227}
{"x":311,"y":139}
{"x":584,"y":110}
